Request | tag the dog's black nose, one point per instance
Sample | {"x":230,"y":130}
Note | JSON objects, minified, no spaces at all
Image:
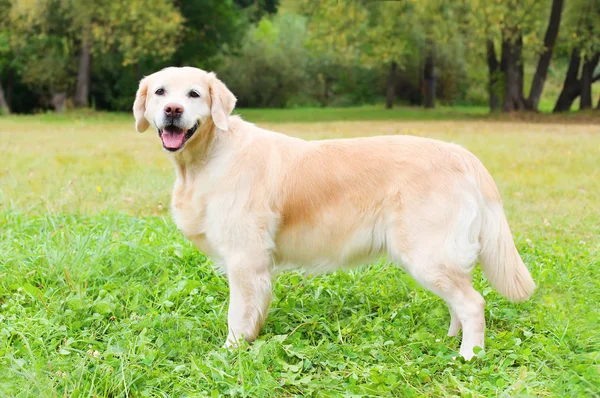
{"x":173,"y":110}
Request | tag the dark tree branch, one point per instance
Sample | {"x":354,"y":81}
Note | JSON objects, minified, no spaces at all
{"x":83,"y":74}
{"x":537,"y":86}
{"x":391,"y":86}
{"x":4,"y":107}
{"x":493,"y":71}
{"x":429,"y":77}
{"x":587,"y":71}
{"x":512,"y":68}
{"x":572,"y":86}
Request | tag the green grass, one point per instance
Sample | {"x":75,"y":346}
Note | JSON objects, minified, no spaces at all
{"x":367,"y":112}
{"x":100,"y":295}
{"x":330,"y":114}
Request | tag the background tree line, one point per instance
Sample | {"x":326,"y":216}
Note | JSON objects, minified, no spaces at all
{"x":509,"y":54}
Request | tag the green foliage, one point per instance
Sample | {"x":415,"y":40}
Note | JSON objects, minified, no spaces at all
{"x":48,"y":66}
{"x":326,"y":52}
{"x":369,"y":36}
{"x":209,"y":28}
{"x":41,"y":46}
{"x":270,"y":68}
{"x":137,"y":29}
{"x":46,"y":37}
{"x":582,"y":26}
{"x":337,"y":30}
{"x":256,"y":9}
{"x":127,"y":38}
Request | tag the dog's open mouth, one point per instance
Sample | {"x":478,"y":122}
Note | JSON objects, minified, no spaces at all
{"x":173,"y":137}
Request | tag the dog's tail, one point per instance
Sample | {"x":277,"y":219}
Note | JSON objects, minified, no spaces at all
{"x":499,"y":258}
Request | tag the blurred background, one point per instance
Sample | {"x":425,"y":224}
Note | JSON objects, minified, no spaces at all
{"x":99,"y":292}
{"x":501,"y":55}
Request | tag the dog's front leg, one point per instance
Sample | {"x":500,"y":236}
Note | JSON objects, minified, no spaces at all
{"x":250,"y":295}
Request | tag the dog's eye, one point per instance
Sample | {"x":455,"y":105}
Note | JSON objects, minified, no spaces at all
{"x":160,"y":91}
{"x":194,"y":94}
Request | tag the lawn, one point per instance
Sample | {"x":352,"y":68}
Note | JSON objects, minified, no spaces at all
{"x":100,"y":295}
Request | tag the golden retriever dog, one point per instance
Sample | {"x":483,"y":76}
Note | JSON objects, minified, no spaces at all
{"x":258,"y":202}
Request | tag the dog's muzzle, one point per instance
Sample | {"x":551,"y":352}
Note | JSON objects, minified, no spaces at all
{"x":174,"y":138}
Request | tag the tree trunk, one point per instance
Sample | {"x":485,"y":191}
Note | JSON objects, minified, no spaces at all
{"x":391,"y":86}
{"x":137,"y":72}
{"x":585,"y":102}
{"x":59,"y":101}
{"x":571,"y":87}
{"x":537,"y":86}
{"x":83,"y":75}
{"x":494,"y":72}
{"x":598,"y":106}
{"x":512,"y":67}
{"x":4,"y":107}
{"x":9,"y":88}
{"x":429,"y":77}
{"x":327,"y":92}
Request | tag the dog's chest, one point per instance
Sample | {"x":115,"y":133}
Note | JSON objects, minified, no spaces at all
{"x":188,"y":208}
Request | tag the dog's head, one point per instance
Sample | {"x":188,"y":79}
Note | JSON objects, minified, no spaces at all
{"x":177,"y":101}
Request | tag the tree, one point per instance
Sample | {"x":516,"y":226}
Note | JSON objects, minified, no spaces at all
{"x":494,"y":74}
{"x":41,"y":48}
{"x":136,"y":29}
{"x":5,"y":53}
{"x":55,"y":39}
{"x":512,"y":67}
{"x":571,"y":88}
{"x":335,"y":42}
{"x":434,"y":30}
{"x":257,"y":9}
{"x":428,"y":31}
{"x":356,"y":33}
{"x":390,"y":92}
{"x":386,"y":40}
{"x":4,"y":107}
{"x":587,"y":79}
{"x":541,"y":71}
{"x":275,"y":63}
{"x":82,"y":15}
{"x":401,"y":37}
{"x":583,"y":27}
{"x":512,"y":26}
{"x":215,"y":26}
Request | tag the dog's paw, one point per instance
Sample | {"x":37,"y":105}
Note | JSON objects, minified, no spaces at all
{"x":470,"y":353}
{"x":232,"y":344}
{"x":229,"y":345}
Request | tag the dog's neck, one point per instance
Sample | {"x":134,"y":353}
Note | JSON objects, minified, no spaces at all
{"x":196,"y":151}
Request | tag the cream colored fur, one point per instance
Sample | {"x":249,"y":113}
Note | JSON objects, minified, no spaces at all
{"x":257,"y":202}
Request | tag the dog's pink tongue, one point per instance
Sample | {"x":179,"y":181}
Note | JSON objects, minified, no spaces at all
{"x":172,"y":139}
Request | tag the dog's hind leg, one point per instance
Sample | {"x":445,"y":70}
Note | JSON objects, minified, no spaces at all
{"x":438,"y":243}
{"x":466,"y":305}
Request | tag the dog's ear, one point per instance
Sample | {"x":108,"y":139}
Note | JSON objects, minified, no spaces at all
{"x":222,"y":102}
{"x":139,"y":107}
